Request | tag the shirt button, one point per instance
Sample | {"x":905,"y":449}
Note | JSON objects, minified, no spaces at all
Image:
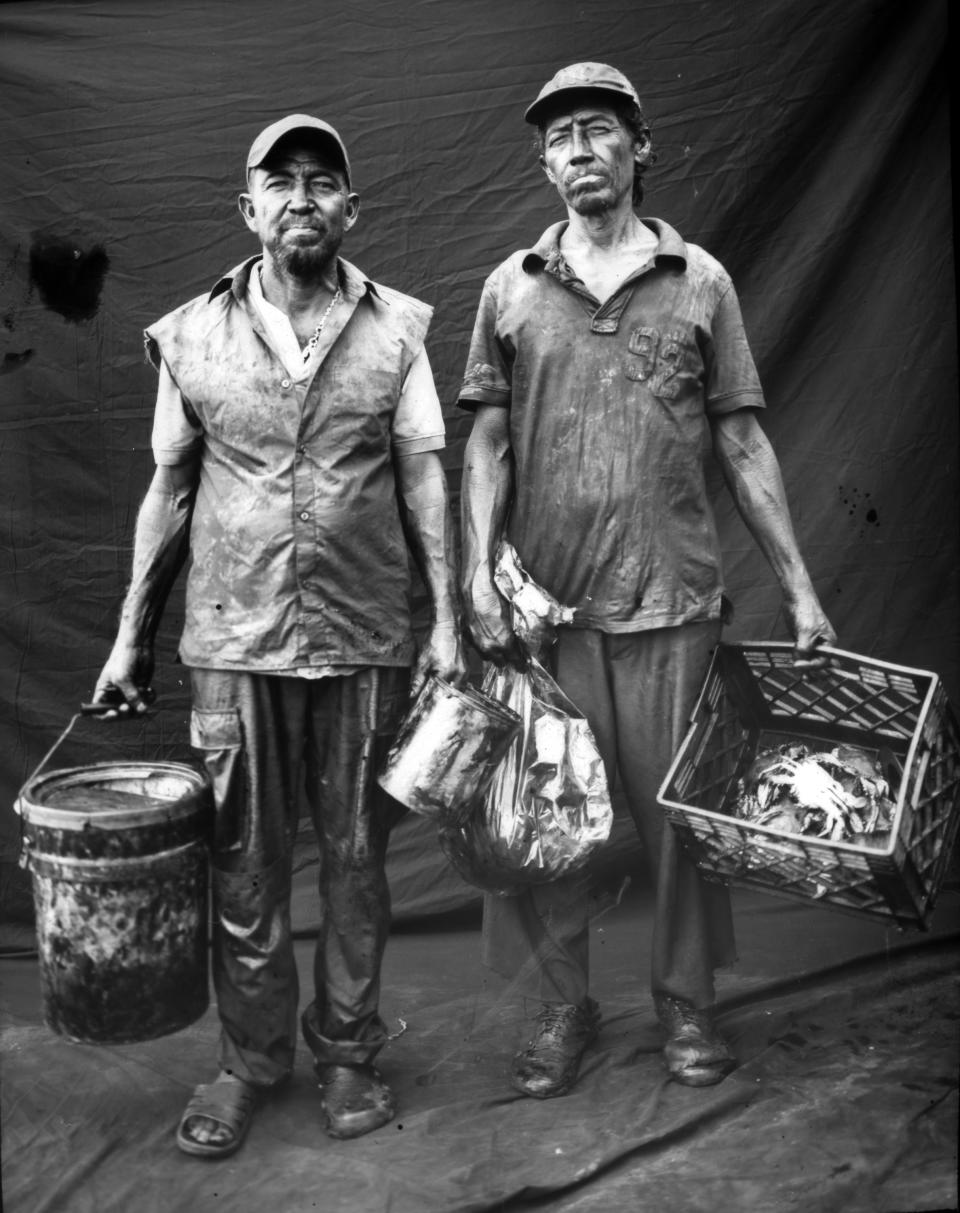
{"x":285,"y":383}
{"x":304,"y":516}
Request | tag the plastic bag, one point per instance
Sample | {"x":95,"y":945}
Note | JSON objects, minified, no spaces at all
{"x":534,"y":614}
{"x":548,"y":806}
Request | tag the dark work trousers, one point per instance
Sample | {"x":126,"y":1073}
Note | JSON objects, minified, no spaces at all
{"x":262,"y":738}
{"x":637,"y":692}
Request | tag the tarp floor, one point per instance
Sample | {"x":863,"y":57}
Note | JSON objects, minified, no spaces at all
{"x":845,"y":1097}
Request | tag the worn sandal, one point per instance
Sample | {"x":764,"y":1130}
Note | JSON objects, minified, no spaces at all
{"x":230,"y":1104}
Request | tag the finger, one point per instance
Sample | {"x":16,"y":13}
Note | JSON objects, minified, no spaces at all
{"x":806,"y":657}
{"x":811,"y":664}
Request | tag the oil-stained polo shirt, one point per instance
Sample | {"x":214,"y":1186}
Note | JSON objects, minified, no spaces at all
{"x":298,"y":557}
{"x":609,"y":404}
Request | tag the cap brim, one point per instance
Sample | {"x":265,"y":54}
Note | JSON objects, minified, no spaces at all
{"x":534,"y":113}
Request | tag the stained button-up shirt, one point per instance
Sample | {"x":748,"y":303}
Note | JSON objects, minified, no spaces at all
{"x":298,"y":558}
{"x":608,"y":423}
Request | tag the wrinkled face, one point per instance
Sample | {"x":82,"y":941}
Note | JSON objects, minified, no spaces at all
{"x":589,"y":156}
{"x":300,"y":207}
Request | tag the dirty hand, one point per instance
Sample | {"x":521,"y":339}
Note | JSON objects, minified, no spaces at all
{"x":489,"y":629}
{"x":125,"y":681}
{"x":811,"y":628}
{"x":440,"y":656}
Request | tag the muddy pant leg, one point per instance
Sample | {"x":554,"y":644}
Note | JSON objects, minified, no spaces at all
{"x":541,"y":937}
{"x":353,"y":721}
{"x":656,"y":677}
{"x":249,"y":730}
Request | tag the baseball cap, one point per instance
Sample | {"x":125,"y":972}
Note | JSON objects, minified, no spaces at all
{"x":271,"y":135}
{"x":598,"y":77}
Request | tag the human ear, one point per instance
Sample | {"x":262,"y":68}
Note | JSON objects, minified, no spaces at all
{"x":245,"y":203}
{"x":643,"y":151}
{"x":351,"y":211}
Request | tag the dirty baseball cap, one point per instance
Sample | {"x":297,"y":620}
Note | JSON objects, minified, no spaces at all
{"x":271,"y":135}
{"x":597,"y":77}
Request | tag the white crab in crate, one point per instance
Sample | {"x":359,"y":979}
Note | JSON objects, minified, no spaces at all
{"x":840,"y":795}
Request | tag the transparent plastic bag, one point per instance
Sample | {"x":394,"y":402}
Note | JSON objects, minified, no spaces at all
{"x":547,"y":808}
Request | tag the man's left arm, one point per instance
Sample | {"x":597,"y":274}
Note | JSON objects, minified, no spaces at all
{"x":428,"y":525}
{"x":752,"y":474}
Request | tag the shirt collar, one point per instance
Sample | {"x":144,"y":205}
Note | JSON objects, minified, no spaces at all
{"x":546,"y":252}
{"x":353,"y":282}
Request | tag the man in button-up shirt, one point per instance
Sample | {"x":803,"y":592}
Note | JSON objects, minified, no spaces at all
{"x":296,"y":437}
{"x":601,"y":359}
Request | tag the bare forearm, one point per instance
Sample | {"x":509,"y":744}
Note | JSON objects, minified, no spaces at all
{"x":159,"y":550}
{"x":429,"y":529}
{"x":486,"y":496}
{"x":752,"y":474}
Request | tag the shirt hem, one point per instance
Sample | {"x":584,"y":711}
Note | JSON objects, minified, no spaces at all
{"x":649,"y":623}
{"x":286,"y":671}
{"x":172,"y":457}
{"x":731,"y":401}
{"x":414,"y":446}
{"x":498,"y":396}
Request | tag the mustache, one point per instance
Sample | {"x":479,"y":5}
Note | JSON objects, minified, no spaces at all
{"x":573,"y":177}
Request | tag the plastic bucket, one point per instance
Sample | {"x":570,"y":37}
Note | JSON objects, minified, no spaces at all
{"x":447,"y":750}
{"x":118,"y":858}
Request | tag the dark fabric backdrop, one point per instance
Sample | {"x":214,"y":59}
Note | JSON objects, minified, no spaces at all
{"x":805,"y":144}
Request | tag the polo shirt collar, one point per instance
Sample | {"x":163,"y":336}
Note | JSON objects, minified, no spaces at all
{"x":546,"y":252}
{"x":353,"y":281}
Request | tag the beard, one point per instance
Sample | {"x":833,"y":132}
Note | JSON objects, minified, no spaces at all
{"x":590,"y":202}
{"x":306,"y":262}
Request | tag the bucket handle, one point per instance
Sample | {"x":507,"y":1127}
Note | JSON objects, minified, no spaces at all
{"x":49,"y":754}
{"x":86,"y":709}
{"x":23,"y":859}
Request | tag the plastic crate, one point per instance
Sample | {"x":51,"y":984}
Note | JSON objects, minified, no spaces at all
{"x":752,"y":697}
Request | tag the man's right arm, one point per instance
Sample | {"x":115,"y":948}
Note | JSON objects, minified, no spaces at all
{"x":159,"y":550}
{"x":486,"y":496}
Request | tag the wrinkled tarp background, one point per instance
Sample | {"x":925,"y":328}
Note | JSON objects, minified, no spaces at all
{"x":805,"y":144}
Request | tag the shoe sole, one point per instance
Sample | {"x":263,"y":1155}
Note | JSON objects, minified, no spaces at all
{"x":701,"y":1078}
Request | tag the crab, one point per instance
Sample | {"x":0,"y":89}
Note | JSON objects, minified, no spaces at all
{"x":835,"y":794}
{"x":813,"y":789}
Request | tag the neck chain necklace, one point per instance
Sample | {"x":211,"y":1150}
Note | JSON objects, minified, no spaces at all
{"x":312,"y":343}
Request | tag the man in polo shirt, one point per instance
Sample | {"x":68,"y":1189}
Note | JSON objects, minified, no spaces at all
{"x":599,"y":360}
{"x":296,"y":437}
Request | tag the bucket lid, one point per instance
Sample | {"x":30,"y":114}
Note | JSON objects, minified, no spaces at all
{"x":113,"y":795}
